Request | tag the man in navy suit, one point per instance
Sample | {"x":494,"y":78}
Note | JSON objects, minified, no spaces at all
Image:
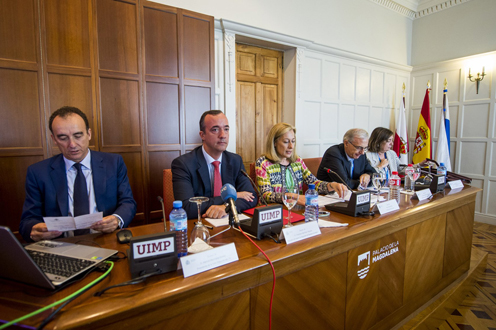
{"x":193,"y":174}
{"x":50,"y":184}
{"x":348,"y":160}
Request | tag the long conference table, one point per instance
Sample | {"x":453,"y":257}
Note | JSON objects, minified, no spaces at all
{"x":412,"y":255}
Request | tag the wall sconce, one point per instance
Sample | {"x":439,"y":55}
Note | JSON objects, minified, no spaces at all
{"x":477,"y":79}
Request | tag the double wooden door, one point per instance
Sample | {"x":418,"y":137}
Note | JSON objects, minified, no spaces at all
{"x":259,"y":98}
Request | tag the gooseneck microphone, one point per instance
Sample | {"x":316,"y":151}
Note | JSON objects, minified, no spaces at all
{"x":161,"y":200}
{"x":329,"y":171}
{"x":260,"y":197}
{"x":229,"y":195}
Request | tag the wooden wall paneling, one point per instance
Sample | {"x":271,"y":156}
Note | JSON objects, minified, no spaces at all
{"x":246,"y":116}
{"x":325,"y":280}
{"x":196,"y":102}
{"x":117,"y":36}
{"x":425,"y":249}
{"x":459,"y":228}
{"x":133,"y":161}
{"x":162,"y":114}
{"x":197,"y":43}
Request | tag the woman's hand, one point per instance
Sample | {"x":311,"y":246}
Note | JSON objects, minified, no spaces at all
{"x":384,"y":162}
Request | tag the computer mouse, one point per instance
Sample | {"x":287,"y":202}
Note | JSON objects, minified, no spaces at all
{"x":124,"y":236}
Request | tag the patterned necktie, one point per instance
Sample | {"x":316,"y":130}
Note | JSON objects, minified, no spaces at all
{"x":80,"y":196}
{"x":217,"y":178}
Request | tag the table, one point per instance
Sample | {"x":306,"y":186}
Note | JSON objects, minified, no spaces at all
{"x":371,"y":274}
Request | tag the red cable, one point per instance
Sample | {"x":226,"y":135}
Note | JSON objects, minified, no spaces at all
{"x":273,"y":273}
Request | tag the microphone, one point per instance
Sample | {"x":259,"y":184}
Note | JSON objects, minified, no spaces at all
{"x":228,"y":194}
{"x":329,"y":171}
{"x":260,"y":197}
{"x":161,"y":200}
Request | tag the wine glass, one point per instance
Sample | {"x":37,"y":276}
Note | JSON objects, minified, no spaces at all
{"x":290,"y":197}
{"x":414,"y":174}
{"x":378,"y":180}
{"x":199,"y":230}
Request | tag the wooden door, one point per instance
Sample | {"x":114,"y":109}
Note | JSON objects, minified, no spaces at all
{"x":258,"y":97}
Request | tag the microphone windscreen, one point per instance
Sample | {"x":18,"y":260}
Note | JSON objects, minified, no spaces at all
{"x":228,"y":191}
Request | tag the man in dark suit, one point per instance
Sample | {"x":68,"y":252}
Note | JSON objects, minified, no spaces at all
{"x":193,"y":174}
{"x":348,"y":160}
{"x":51,"y":188}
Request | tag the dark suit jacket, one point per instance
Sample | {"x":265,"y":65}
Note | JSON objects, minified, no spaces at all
{"x":190,"y":177}
{"x":335,"y":159}
{"x":47,"y":196}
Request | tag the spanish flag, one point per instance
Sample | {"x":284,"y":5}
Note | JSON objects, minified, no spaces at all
{"x":423,"y":142}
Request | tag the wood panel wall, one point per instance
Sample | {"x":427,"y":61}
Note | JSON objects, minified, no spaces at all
{"x":142,"y":72}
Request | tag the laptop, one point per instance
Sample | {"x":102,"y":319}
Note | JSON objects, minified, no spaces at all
{"x":47,"y":264}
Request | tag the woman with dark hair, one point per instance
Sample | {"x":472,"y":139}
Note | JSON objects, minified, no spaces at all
{"x":380,"y":154}
{"x":280,"y":166}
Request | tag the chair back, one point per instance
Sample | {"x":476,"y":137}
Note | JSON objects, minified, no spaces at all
{"x":313,"y":165}
{"x":168,"y":192}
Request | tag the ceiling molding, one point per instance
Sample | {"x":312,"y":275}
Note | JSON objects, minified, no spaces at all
{"x":414,"y":9}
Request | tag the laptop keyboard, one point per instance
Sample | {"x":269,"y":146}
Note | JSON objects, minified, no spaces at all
{"x":59,"y":265}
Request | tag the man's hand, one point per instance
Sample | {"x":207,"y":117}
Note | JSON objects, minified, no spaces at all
{"x":246,"y":195}
{"x":364,"y":180}
{"x":339,"y":188}
{"x":106,"y":225}
{"x":215,"y":212}
{"x":40,"y":232}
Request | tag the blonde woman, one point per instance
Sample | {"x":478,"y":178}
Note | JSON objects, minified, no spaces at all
{"x":281,"y":167}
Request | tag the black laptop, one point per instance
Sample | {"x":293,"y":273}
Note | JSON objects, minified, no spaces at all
{"x":47,"y":264}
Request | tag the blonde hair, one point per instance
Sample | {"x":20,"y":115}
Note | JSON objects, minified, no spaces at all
{"x":275,"y":133}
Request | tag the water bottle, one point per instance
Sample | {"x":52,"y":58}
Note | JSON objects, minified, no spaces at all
{"x":179,"y":224}
{"x":311,"y":203}
{"x":442,"y":170}
{"x":394,"y":186}
{"x":408,"y":182}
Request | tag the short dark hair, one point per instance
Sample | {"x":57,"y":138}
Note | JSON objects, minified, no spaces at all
{"x":67,"y":111}
{"x":379,"y":135}
{"x":206,"y":113}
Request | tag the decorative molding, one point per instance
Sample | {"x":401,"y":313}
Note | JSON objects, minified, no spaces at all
{"x":300,"y":55}
{"x":414,"y":13}
{"x":230,"y":42}
{"x":438,"y":7}
{"x":394,"y":6}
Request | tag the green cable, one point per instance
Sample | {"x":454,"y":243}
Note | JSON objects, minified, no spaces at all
{"x":22,"y":318}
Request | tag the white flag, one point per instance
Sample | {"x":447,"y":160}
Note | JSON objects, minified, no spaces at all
{"x":443,"y":147}
{"x":401,"y":136}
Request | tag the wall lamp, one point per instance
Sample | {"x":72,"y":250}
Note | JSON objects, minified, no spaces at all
{"x":477,"y":79}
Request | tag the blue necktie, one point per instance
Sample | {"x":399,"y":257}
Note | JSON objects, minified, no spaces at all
{"x":80,"y":196}
{"x":352,"y":165}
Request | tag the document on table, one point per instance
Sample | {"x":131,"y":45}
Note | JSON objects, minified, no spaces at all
{"x":225,"y":220}
{"x":333,"y":198}
{"x":70,"y":223}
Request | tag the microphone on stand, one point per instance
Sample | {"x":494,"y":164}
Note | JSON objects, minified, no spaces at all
{"x":161,"y":200}
{"x":260,"y":197}
{"x":329,"y":171}
{"x":229,"y":195}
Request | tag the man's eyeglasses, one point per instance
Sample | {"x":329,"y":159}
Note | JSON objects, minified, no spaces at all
{"x":364,"y":149}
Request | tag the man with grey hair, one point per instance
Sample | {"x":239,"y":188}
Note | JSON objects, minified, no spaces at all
{"x":348,"y":160}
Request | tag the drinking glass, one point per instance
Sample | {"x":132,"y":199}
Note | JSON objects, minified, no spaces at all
{"x":414,"y":175}
{"x":378,"y":180}
{"x":199,"y":230}
{"x":290,"y":197}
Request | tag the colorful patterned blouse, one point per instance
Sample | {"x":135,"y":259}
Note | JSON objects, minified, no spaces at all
{"x":270,"y":178}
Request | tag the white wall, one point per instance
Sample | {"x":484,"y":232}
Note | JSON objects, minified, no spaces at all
{"x":357,"y":26}
{"x":463,"y":30}
{"x":472,"y":121}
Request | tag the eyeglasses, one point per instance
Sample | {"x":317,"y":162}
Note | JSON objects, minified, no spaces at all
{"x":364,"y":149}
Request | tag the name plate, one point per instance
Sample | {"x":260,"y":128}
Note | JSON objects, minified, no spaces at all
{"x":456,"y":184}
{"x":200,"y":262}
{"x":389,"y":206}
{"x":300,"y":232}
{"x":423,"y":194}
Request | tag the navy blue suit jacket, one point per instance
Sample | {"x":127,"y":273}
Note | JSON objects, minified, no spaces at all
{"x":335,"y":159}
{"x":190,"y":177}
{"x":47,"y":195}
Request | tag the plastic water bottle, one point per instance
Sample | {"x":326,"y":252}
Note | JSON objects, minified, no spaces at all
{"x":442,"y":170}
{"x":394,"y":186}
{"x":311,"y":203}
{"x":179,"y":224}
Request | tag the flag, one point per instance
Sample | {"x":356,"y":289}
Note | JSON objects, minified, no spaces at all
{"x":443,"y":143}
{"x":401,"y":136}
{"x":423,"y":143}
